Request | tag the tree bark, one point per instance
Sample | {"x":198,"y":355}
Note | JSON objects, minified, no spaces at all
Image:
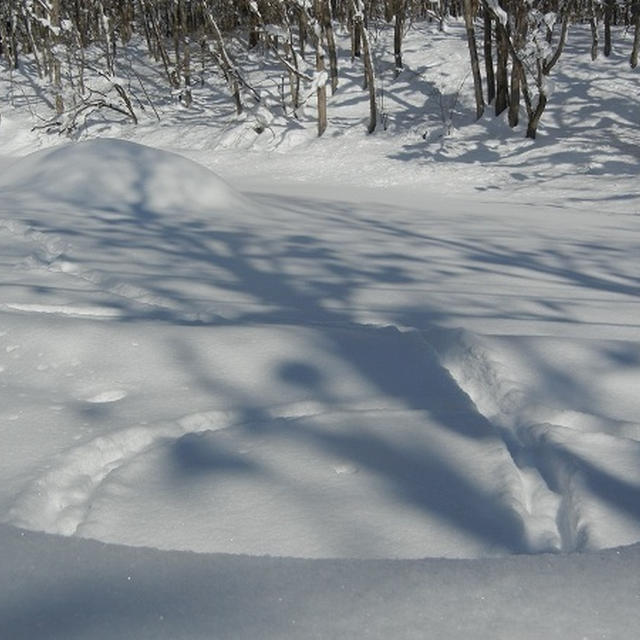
{"x":469,"y":12}
{"x":609,"y":9}
{"x":514,"y":97}
{"x":502,"y":80}
{"x":593,"y":22}
{"x":488,"y":56}
{"x":635,"y":17}
{"x":369,"y":70}
{"x":321,"y":88}
{"x":54,"y":18}
{"x":327,"y":26}
{"x":534,"y":120}
{"x":398,"y":32}
{"x":519,"y":29}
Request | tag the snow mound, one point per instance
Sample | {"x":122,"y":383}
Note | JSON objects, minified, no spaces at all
{"x":118,"y":175}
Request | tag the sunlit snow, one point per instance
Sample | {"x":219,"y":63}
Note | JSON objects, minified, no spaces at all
{"x":267,"y":354}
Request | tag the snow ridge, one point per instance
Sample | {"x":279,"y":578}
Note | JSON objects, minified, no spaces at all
{"x":59,"y":501}
{"x":575,"y":485}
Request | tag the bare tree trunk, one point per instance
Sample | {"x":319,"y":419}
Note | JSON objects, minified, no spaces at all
{"x":502,"y":82}
{"x":293,"y":68}
{"x":534,"y":120}
{"x":593,"y":22}
{"x":609,"y":9}
{"x":302,"y":31}
{"x":254,"y":30}
{"x":356,"y":34}
{"x":54,"y":17}
{"x":399,"y":9}
{"x":327,"y":25}
{"x":518,"y":39}
{"x":488,"y":57}
{"x":371,"y":81}
{"x":185,"y":43}
{"x":8,"y":40}
{"x":514,"y":97}
{"x":369,"y":70}
{"x":321,"y":73}
{"x":322,"y":88}
{"x":635,"y":16}
{"x":469,"y":13}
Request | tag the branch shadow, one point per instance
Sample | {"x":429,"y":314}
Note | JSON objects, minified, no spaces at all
{"x":231,"y":267}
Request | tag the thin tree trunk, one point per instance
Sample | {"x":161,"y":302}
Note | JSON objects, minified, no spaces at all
{"x":635,"y":16}
{"x":327,"y":25}
{"x":321,"y":90}
{"x":502,"y":81}
{"x":186,"y":55}
{"x":356,"y":34}
{"x":593,"y":22}
{"x":534,"y":120}
{"x":302,"y":31}
{"x":254,"y":30}
{"x":488,"y":56}
{"x":371,"y":81}
{"x":514,"y":97}
{"x":369,"y":70}
{"x":321,"y":73}
{"x":518,"y":38}
{"x":399,"y":9}
{"x":609,"y":8}
{"x":54,"y":19}
{"x":469,"y":12}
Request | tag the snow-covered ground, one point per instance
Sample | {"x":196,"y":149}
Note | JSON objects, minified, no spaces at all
{"x":394,"y":377}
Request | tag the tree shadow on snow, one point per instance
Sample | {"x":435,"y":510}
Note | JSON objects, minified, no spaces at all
{"x":267,"y":273}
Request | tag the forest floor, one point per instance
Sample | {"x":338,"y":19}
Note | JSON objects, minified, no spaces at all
{"x":380,"y":383}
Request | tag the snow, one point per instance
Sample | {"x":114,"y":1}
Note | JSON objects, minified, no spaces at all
{"x":116,"y":175}
{"x":354,"y":387}
{"x":74,"y":588}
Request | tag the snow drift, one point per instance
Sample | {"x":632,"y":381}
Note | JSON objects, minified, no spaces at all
{"x":115,"y":175}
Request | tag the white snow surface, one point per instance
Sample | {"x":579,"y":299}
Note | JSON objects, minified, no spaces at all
{"x":372,"y":412}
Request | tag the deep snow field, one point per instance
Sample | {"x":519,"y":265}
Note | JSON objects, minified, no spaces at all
{"x":386,"y":386}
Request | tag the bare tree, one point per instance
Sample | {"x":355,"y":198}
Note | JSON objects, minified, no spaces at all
{"x":470,"y":9}
{"x":635,"y":17}
{"x":369,"y":70}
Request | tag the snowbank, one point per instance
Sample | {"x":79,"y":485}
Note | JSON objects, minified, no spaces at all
{"x":116,"y":175}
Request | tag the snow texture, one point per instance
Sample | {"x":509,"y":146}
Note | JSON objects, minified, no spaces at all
{"x":371,"y":412}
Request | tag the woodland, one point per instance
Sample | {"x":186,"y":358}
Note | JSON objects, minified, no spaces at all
{"x":75,"y":49}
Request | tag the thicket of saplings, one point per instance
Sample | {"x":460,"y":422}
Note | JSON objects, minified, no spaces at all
{"x":78,"y":48}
